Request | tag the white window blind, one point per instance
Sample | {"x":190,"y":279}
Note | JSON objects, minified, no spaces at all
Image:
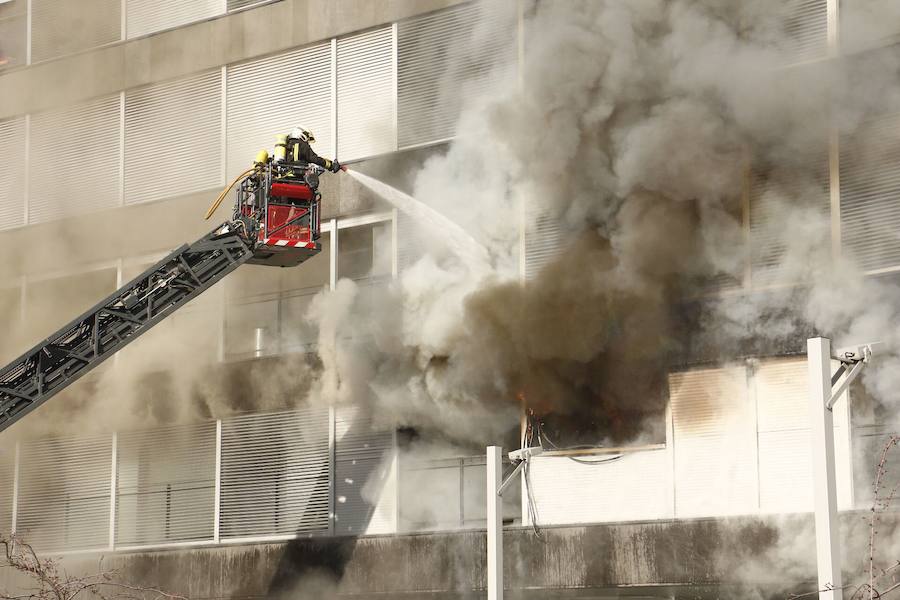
{"x":238,"y":4}
{"x":365,"y":481}
{"x":439,"y":66}
{"x":870,"y":194}
{"x":273,"y":95}
{"x":567,"y":491}
{"x":74,"y":160}
{"x":13,"y":52}
{"x":785,"y":470}
{"x":148,"y":16}
{"x":788,"y":206}
{"x":173,"y":143}
{"x":714,"y":443}
{"x":62,"y":27}
{"x":12,"y":173}
{"x":365,"y":94}
{"x":806,"y":26}
{"x":64,"y":493}
{"x":543,"y":239}
{"x":275,"y":474}
{"x":165,"y":485}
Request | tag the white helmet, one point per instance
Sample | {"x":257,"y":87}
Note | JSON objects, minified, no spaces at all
{"x":302,"y":133}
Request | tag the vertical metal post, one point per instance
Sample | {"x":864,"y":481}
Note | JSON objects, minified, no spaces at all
{"x":833,"y":27}
{"x":123,"y":24}
{"x":28,"y":36}
{"x":396,"y":466}
{"x":223,"y":131}
{"x":15,"y":498}
{"x":828,"y":551}
{"x":332,"y":474}
{"x":395,"y":100}
{"x":112,"y":491}
{"x":26,"y":195}
{"x":121,"y":149}
{"x":217,"y":495}
{"x":334,"y":93}
{"x":395,"y":253}
{"x":332,"y":256}
{"x":494,"y":523}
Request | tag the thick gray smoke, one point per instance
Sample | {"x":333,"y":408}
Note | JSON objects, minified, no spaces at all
{"x":639,"y":126}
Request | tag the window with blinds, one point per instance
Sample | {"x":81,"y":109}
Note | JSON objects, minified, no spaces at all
{"x":543,"y":239}
{"x":144,"y":17}
{"x":714,"y":443}
{"x":806,"y":29}
{"x":275,"y":474}
{"x":64,"y":493}
{"x":239,"y":4}
{"x":870,"y":194}
{"x":439,"y":65}
{"x":7,"y":483}
{"x":13,"y":22}
{"x":59,"y":186}
{"x":273,"y":95}
{"x":62,"y":27}
{"x":173,"y":138}
{"x":365,"y":94}
{"x":12,"y":173}
{"x":365,"y":480}
{"x":789,"y":221}
{"x":165,"y":485}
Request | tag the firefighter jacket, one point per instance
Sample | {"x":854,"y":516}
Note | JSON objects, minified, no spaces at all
{"x":300,"y":151}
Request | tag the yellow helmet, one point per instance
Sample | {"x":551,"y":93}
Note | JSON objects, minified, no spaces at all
{"x":262,"y":157}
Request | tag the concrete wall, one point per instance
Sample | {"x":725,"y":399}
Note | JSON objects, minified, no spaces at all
{"x":194,"y":48}
{"x":689,"y":558}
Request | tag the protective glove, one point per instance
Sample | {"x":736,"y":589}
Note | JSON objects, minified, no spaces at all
{"x":335,"y":166}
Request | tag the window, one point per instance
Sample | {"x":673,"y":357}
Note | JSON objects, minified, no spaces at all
{"x":53,"y":302}
{"x":364,"y":252}
{"x":62,"y":27}
{"x":12,"y":33}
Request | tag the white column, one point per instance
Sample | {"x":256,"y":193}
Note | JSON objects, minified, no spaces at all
{"x":15,"y":498}
{"x":217,"y":495}
{"x":494,"y":523}
{"x":332,"y":256}
{"x":828,"y":551}
{"x":112,"y":491}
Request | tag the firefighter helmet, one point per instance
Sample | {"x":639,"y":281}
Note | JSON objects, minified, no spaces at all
{"x":302,"y":133}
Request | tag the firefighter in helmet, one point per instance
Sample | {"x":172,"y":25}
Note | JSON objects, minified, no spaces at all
{"x":296,"y":148}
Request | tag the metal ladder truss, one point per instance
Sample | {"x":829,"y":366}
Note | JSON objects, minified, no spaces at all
{"x":75,"y":349}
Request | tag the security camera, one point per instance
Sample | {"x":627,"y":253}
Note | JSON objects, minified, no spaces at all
{"x":525,"y":453}
{"x":857,"y":353}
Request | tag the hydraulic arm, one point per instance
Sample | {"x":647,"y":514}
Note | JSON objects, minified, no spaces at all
{"x":75,"y":349}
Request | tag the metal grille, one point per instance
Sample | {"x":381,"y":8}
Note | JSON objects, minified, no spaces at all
{"x":12,"y":173}
{"x":775,"y":197}
{"x":62,"y":27}
{"x":543,"y":240}
{"x":272,"y":95}
{"x":275,"y":474}
{"x":173,"y":138}
{"x":714,"y":443}
{"x":365,"y":94}
{"x":807,"y":30}
{"x":438,"y":66}
{"x":870,"y":194}
{"x":165,"y":485}
{"x":149,"y":16}
{"x":64,"y":493}
{"x":61,"y":187}
{"x":365,"y":485}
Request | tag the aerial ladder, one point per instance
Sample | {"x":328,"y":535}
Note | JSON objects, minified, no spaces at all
{"x":275,"y":222}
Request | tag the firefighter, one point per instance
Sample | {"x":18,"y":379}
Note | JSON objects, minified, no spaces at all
{"x":296,"y":148}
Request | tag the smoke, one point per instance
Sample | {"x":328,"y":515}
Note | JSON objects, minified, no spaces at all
{"x":636,"y":128}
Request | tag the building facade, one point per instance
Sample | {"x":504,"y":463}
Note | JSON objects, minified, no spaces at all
{"x":146,"y":113}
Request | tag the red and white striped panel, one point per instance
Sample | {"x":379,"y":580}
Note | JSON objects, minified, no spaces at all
{"x":288,"y":243}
